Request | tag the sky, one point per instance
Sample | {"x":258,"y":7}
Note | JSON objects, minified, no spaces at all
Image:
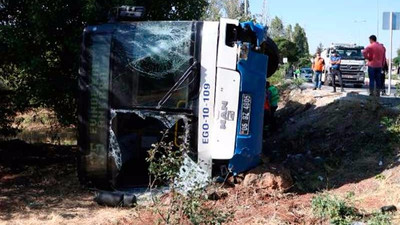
{"x":337,"y":21}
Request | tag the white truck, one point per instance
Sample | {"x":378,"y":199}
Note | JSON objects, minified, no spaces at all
{"x":353,"y":66}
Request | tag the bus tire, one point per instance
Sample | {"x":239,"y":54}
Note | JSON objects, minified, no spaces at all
{"x":271,"y":49}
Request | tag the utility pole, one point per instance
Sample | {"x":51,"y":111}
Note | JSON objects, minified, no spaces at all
{"x":245,"y":8}
{"x":391,"y":21}
{"x":264,"y":13}
{"x":377,"y":18}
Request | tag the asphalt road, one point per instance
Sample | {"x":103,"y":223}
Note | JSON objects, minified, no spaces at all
{"x":350,"y":88}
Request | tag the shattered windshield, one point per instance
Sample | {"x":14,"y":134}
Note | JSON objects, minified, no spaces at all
{"x":349,"y":53}
{"x":148,"y":59}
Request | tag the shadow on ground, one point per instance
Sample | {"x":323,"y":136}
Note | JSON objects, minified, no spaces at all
{"x":39,"y":177}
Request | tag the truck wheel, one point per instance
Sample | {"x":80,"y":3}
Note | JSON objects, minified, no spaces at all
{"x":269,"y":48}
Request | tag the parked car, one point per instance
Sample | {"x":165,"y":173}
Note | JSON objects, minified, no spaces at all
{"x":306,"y":73}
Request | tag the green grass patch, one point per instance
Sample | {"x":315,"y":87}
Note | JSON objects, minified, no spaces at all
{"x":343,"y":212}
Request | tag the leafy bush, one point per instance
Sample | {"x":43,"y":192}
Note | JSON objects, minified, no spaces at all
{"x":397,"y":92}
{"x":297,"y":82}
{"x":339,"y":212}
{"x":342,"y":211}
{"x":165,"y":162}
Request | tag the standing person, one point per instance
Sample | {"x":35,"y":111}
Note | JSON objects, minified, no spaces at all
{"x":271,"y":105}
{"x":297,"y":73}
{"x":375,"y":54}
{"x":335,"y":70}
{"x":385,"y":70}
{"x":318,"y":67}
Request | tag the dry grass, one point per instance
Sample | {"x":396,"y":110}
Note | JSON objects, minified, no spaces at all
{"x":41,"y":126}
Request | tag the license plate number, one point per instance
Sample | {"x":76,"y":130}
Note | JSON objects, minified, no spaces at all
{"x":246,"y":112}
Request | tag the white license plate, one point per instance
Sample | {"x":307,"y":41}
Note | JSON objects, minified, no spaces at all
{"x":245,"y":117}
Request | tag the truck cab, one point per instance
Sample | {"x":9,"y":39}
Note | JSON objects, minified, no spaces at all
{"x":353,"y":66}
{"x":201,"y":82}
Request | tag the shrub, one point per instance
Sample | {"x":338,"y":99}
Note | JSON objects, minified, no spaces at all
{"x":165,"y":161}
{"x":342,"y":211}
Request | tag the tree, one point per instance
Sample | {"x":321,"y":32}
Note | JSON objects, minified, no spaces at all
{"x":396,"y":61}
{"x":287,"y":49}
{"x":320,"y":48}
{"x":40,"y":46}
{"x":233,"y":9}
{"x":276,"y":29}
{"x":300,"y":39}
{"x":304,"y":62}
{"x":289,"y":32}
{"x":214,"y":10}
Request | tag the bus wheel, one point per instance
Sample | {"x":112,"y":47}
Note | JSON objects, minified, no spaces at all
{"x":271,"y":49}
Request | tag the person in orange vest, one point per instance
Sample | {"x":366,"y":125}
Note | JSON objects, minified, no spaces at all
{"x":318,"y":67}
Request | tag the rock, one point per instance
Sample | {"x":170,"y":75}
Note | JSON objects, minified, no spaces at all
{"x":216,"y":195}
{"x":268,"y":181}
{"x":271,"y":179}
{"x":250,"y":180}
{"x":389,"y":208}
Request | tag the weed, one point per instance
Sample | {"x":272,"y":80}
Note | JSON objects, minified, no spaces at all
{"x":165,"y":161}
{"x":380,"y":219}
{"x":380,"y":177}
{"x":297,"y":82}
{"x":342,"y":211}
{"x":278,"y":78}
{"x":397,"y":92}
{"x":339,"y":212}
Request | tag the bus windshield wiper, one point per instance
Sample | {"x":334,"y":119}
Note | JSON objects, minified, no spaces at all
{"x":177,"y":84}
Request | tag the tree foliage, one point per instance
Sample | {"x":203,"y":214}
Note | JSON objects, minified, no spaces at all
{"x":396,"y":61}
{"x":276,"y":29}
{"x":289,"y":32}
{"x":300,"y":38}
{"x":214,"y":10}
{"x":320,"y":48}
{"x":40,"y":45}
{"x":233,"y":9}
{"x":292,"y":42}
{"x":287,"y":49}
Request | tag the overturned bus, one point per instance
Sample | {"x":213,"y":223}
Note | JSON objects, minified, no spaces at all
{"x":202,"y":82}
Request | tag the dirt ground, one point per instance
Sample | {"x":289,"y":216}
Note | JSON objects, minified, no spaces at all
{"x":324,"y":144}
